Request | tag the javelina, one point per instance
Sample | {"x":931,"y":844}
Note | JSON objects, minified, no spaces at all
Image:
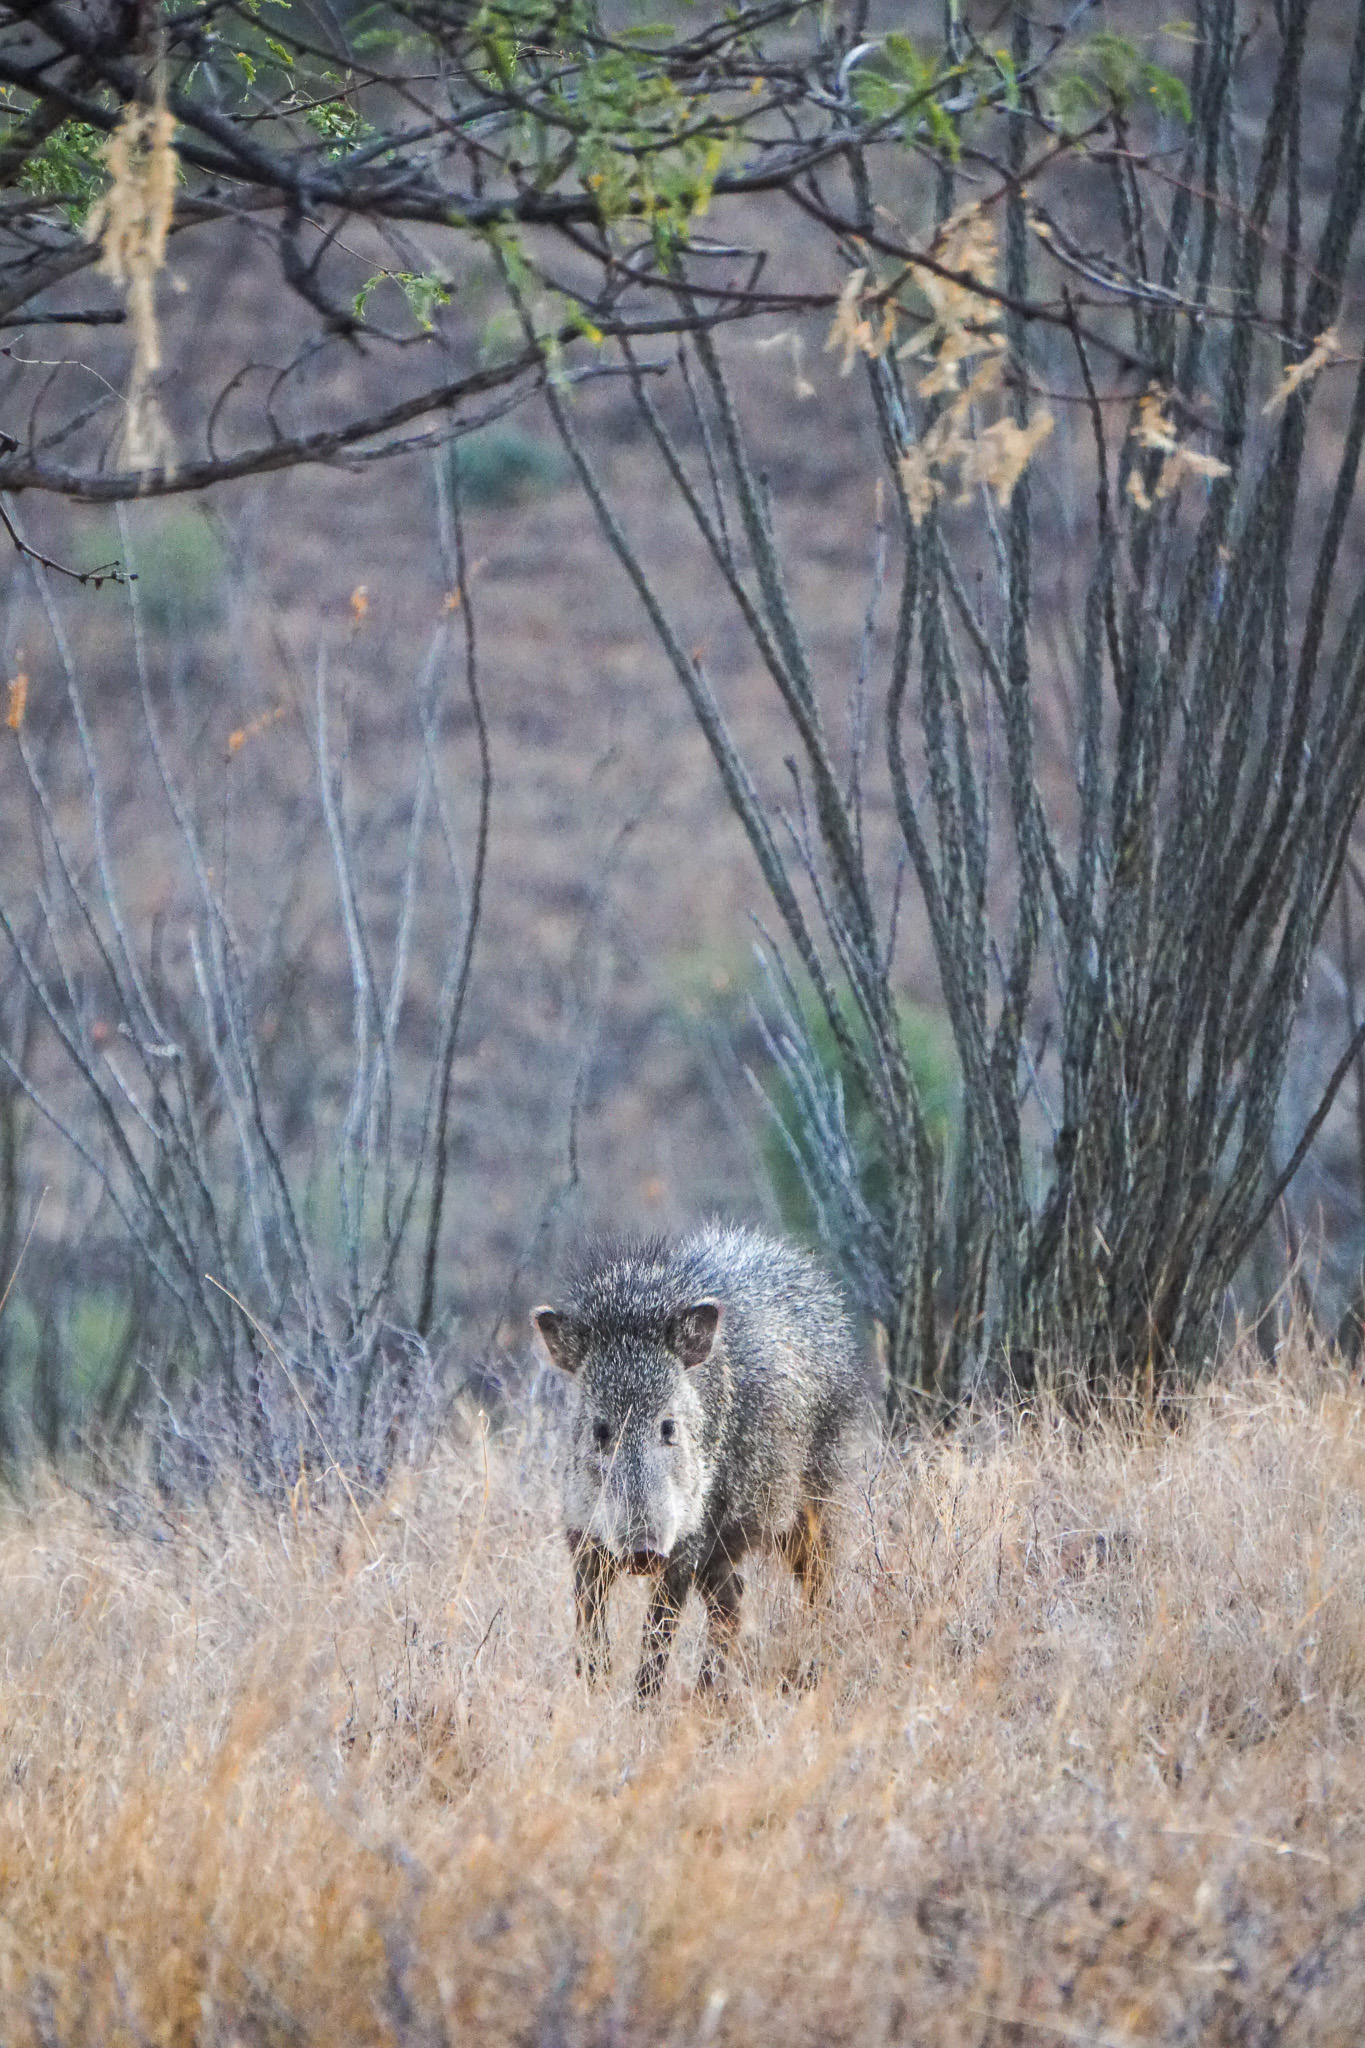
{"x":714,"y":1381}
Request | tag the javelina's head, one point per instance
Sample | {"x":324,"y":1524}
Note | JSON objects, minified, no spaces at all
{"x":633,"y":1343}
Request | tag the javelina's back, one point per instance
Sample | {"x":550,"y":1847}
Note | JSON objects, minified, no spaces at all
{"x":716,"y":1378}
{"x":796,"y":1381}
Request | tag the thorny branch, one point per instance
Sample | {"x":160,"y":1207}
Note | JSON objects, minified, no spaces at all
{"x":1151,"y":941}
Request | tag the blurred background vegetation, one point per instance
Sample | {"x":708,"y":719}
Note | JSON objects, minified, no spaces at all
{"x":363,"y":749}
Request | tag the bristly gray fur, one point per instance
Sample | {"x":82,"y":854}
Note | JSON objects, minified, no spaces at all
{"x":715,"y":1380}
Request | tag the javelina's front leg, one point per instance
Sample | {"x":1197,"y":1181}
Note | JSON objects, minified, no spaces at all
{"x":594,"y":1571}
{"x":661,"y":1625}
{"x":722,"y":1588}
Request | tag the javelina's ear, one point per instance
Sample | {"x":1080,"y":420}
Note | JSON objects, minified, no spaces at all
{"x":692,"y":1332}
{"x":559,"y":1338}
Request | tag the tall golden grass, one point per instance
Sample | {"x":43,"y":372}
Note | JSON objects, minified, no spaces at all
{"x":1085,"y":1762}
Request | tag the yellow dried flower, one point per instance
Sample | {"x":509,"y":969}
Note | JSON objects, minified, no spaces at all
{"x":1325,"y":349}
{"x":965,"y":322}
{"x":1187,"y":462}
{"x":1155,"y":430}
{"x":1001,"y":454}
{"x":238,"y":739}
{"x":940,"y":380}
{"x":847,"y":330}
{"x":964,"y":347}
{"x":134,"y":218}
{"x":922,"y":488}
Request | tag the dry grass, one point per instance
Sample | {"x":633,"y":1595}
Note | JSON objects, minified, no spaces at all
{"x":1084,"y":1764}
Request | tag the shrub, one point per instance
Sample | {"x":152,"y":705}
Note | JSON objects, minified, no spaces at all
{"x":294,"y":1245}
{"x":504,"y":465}
{"x":1121,"y":937}
{"x":179,"y":563}
{"x":787,"y":1142}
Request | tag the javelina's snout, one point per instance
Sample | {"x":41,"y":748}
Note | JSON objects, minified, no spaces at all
{"x":635,"y":1493}
{"x":640,"y":1534}
{"x":713,"y":1382}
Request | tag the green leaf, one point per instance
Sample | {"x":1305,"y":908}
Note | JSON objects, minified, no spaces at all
{"x":367,"y":290}
{"x":339,"y":122}
{"x":877,"y":96}
{"x":943,"y":133}
{"x":1168,"y":92}
{"x":69,"y":168}
{"x":423,"y":290}
{"x":1004,"y":64}
{"x":1109,"y":71}
{"x":904,"y":61}
{"x":1116,"y":60}
{"x":1073,"y":101}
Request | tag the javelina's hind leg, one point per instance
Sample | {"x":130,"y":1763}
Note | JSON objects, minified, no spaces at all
{"x":807,"y":1552}
{"x":661,"y":1625}
{"x":722,"y":1589}
{"x":594,"y":1570}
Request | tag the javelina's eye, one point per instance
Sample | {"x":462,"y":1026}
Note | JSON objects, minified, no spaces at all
{"x":601,"y":1434}
{"x":668,"y":1430}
